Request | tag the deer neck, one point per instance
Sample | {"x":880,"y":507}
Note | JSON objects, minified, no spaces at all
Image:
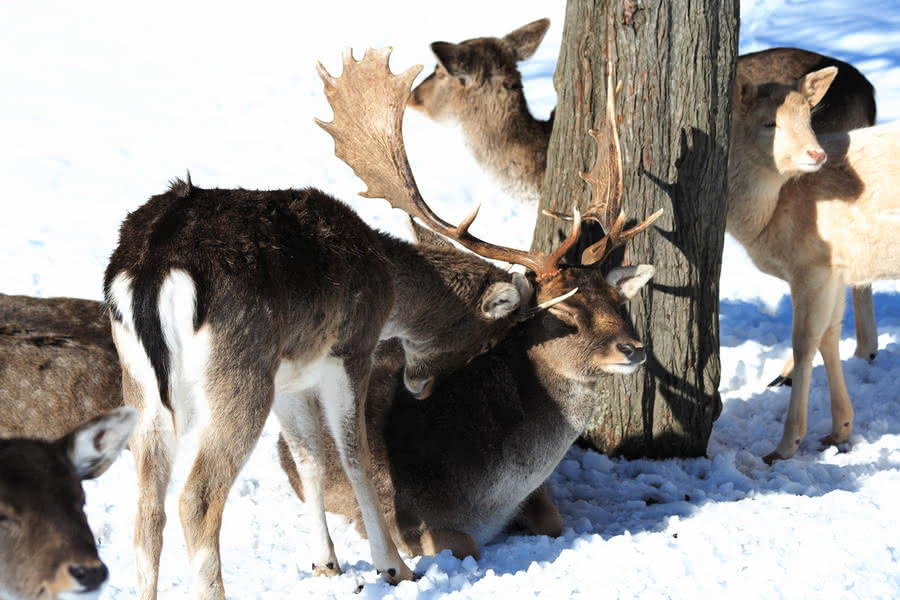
{"x":753,"y":190}
{"x":509,"y":143}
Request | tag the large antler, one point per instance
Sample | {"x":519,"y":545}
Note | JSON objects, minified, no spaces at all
{"x":368,"y":103}
{"x":607,"y":187}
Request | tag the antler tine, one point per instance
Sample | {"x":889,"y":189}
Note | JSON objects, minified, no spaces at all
{"x":608,"y":174}
{"x":368,"y":103}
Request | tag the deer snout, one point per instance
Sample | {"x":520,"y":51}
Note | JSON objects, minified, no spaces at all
{"x":90,"y":578}
{"x":633,"y":353}
{"x":819,"y":157}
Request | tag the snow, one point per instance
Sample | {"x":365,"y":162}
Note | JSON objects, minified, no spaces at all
{"x":103,"y":103}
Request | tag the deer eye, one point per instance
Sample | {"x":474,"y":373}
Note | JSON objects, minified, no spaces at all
{"x":769,"y":125}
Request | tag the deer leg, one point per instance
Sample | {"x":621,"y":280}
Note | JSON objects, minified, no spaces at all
{"x":434,"y":541}
{"x":786,"y":376}
{"x":539,"y":515}
{"x":342,"y":391}
{"x":814,"y":296}
{"x":152,"y":444}
{"x":301,"y":431}
{"x":841,"y":407}
{"x":239,"y":402}
{"x":864,"y":319}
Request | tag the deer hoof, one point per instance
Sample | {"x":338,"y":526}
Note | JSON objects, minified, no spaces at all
{"x":831,"y":439}
{"x":394,"y":576}
{"x":329,"y":569}
{"x":781,"y":380}
{"x":771,"y":458}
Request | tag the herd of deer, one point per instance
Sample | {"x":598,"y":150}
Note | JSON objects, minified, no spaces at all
{"x":226,"y":305}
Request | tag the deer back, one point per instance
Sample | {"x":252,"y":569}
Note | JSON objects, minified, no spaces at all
{"x":58,"y":368}
{"x":276,"y":274}
{"x":46,"y":546}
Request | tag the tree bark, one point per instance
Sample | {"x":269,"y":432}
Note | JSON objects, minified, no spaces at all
{"x":675,"y":63}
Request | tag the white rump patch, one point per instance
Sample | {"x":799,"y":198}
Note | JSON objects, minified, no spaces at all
{"x":189,"y":351}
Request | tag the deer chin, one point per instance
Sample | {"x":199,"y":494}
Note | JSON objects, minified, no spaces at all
{"x":807,"y":166}
{"x":626,"y":368}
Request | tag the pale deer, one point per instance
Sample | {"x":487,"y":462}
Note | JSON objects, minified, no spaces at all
{"x":451,"y":472}
{"x":820,"y":214}
{"x":46,"y":545}
{"x":477,"y":85}
{"x":226,"y":304}
{"x":58,"y":365}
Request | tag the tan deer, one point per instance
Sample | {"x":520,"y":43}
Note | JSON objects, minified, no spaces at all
{"x":820,"y":214}
{"x":451,"y":472}
{"x":477,"y":85}
{"x":58,"y":365}
{"x":46,"y":545}
{"x":229,"y":304}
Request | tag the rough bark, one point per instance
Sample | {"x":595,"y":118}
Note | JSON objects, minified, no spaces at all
{"x":675,"y":62}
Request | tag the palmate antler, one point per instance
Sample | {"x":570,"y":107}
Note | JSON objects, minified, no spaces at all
{"x":607,"y":188}
{"x":368,"y":102}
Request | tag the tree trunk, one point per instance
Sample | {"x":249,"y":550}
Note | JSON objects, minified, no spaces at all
{"x":675,"y":63}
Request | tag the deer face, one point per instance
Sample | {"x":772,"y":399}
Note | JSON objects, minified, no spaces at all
{"x":476,"y":75}
{"x":46,"y":546}
{"x":590,"y":336}
{"x":772,"y":123}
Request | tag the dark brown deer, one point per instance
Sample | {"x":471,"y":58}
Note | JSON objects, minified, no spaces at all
{"x":477,"y":84}
{"x":46,"y":545}
{"x":58,"y":365}
{"x":229,"y":304}
{"x":453,"y":471}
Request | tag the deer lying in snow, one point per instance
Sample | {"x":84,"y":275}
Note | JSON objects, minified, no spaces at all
{"x":451,"y":472}
{"x":477,"y":84}
{"x":46,"y":545}
{"x":226,"y":304}
{"x":820,"y":214}
{"x":58,"y":365}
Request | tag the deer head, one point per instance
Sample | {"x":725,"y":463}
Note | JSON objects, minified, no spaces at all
{"x":368,"y":102}
{"x":771,"y":124}
{"x":477,"y":73}
{"x":46,"y":545}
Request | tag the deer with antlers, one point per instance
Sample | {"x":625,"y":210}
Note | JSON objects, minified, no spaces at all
{"x":820,"y":214}
{"x":477,"y":84}
{"x":228,"y":304}
{"x":47,"y":549}
{"x":453,"y":471}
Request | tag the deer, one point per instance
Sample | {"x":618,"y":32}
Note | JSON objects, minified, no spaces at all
{"x":46,"y":545}
{"x":453,"y":471}
{"x":477,"y":85}
{"x":226,"y":305}
{"x":59,"y":367}
{"x":821,"y":214}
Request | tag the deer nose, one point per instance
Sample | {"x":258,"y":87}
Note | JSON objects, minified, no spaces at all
{"x":817,"y":155}
{"x":634,"y":354}
{"x":89,"y":578}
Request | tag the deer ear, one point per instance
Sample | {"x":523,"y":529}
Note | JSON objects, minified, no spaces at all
{"x":814,"y":85}
{"x":500,"y":300}
{"x":745,"y":92}
{"x":451,"y":57}
{"x":629,"y":280}
{"x":94,"y":446}
{"x":525,"y":40}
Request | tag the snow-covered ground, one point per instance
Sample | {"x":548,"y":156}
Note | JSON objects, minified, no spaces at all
{"x":102,"y":104}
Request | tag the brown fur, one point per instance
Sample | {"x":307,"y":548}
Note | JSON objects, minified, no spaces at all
{"x":58,"y":365}
{"x":818,"y":227}
{"x":46,"y":545}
